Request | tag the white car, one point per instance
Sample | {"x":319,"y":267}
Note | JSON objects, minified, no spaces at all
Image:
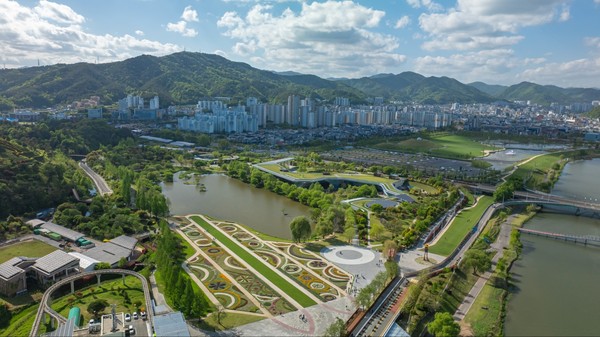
{"x":127,"y":317}
{"x":135,"y":315}
{"x":131,"y":330}
{"x":143,"y":314}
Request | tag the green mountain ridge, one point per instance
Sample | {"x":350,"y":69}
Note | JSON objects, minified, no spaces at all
{"x":186,"y":77}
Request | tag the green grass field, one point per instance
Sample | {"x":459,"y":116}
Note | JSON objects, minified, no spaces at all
{"x":109,"y":291}
{"x":443,"y":145}
{"x":20,"y":323}
{"x":33,"y":248}
{"x":259,"y":265}
{"x":317,"y":175}
{"x":229,"y":321}
{"x":459,"y":228}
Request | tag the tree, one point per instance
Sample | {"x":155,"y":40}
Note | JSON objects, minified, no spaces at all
{"x":377,"y":208}
{"x":376,"y":230}
{"x":323,"y":228}
{"x":300,"y":228}
{"x":391,"y":268}
{"x":122,"y":262}
{"x":504,"y":192}
{"x":336,"y":329}
{"x":97,"y":307}
{"x":5,"y":315}
{"x":390,"y":247}
{"x":443,"y":325}
{"x":478,"y":260}
{"x":102,"y":265}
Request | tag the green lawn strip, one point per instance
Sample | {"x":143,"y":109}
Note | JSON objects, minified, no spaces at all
{"x":460,"y":146}
{"x":257,"y":264}
{"x":33,"y":248}
{"x":110,"y":291}
{"x":468,"y":195}
{"x":459,"y":228}
{"x":228,"y":321}
{"x":20,"y":323}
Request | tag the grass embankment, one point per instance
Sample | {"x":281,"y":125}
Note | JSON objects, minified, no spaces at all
{"x":257,"y":264}
{"x":459,"y":228}
{"x":369,"y":178}
{"x":124,"y":294}
{"x":21,"y":322}
{"x":188,"y":250}
{"x":33,"y":248}
{"x":486,"y":316}
{"x":541,"y":173}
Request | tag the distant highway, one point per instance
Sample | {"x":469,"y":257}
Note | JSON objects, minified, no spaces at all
{"x":100,"y":183}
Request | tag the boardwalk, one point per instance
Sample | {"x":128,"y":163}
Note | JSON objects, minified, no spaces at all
{"x":583,"y":239}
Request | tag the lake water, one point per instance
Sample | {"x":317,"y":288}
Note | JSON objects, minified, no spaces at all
{"x":230,"y":199}
{"x":557,"y":292}
{"x":503,"y":159}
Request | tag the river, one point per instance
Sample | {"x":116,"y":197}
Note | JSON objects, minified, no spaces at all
{"x":230,"y":199}
{"x":557,"y":292}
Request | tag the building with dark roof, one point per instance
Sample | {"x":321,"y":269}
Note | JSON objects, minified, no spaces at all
{"x":12,"y":277}
{"x":55,"y":266}
{"x":66,"y":233}
{"x":125,"y":241}
{"x":110,"y":253}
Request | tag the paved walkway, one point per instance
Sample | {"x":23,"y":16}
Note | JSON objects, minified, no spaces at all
{"x":161,"y":305}
{"x":316,"y":320}
{"x":502,"y":241}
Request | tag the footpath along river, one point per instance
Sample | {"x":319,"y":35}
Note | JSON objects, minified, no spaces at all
{"x":557,"y":292}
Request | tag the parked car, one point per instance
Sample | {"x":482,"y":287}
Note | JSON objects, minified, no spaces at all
{"x":135,"y":315}
{"x":131,"y":330}
{"x":143,"y":314}
{"x":127,"y":317}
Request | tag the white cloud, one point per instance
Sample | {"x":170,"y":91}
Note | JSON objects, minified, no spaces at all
{"x":139,"y":33}
{"x":581,"y":72}
{"x":53,"y":33}
{"x":189,"y":14}
{"x":565,"y":13}
{"x":592,"y":41}
{"x":478,"y":24}
{"x":58,"y":13}
{"x":329,"y":38}
{"x":402,"y":22}
{"x":492,"y":66}
{"x":181,"y":28}
{"x":220,"y":53}
{"x":429,"y":4}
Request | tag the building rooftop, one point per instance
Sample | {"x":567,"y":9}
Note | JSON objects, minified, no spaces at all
{"x":84,"y":261}
{"x":171,"y":324}
{"x":108,"y":252}
{"x":9,"y":269}
{"x":64,"y":330}
{"x":125,"y":241}
{"x":53,"y":261}
{"x":63,"y":231}
{"x":35,"y":222}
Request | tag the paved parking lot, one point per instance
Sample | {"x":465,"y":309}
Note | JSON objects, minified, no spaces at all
{"x":392,"y":158}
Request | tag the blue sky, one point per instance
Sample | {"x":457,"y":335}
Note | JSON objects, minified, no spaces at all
{"x":494,"y":41}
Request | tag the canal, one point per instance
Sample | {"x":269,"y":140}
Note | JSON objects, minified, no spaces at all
{"x":226,"y":198}
{"x":556,"y":283}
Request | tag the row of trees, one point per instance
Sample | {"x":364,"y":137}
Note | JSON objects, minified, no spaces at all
{"x":178,"y":286}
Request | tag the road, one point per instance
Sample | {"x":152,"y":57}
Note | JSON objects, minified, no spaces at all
{"x":100,"y":183}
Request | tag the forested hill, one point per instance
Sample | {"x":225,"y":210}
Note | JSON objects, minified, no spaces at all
{"x":180,"y":78}
{"x":35,"y":171}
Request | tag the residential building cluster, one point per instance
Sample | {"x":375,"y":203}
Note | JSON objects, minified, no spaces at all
{"x":85,"y":103}
{"x":133,"y":108}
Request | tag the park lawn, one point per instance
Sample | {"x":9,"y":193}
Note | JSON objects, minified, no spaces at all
{"x":427,"y":188}
{"x":33,"y":248}
{"x":456,"y":146}
{"x":259,"y":265}
{"x":459,"y":228}
{"x":317,"y":175}
{"x":109,"y":291}
{"x":264,"y":236}
{"x":229,"y":320}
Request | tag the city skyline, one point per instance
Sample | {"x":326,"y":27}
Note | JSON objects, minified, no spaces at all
{"x":507,"y":42}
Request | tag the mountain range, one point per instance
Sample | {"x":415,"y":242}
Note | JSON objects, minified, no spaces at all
{"x":186,"y":77}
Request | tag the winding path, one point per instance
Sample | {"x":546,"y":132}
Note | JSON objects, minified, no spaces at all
{"x":100,"y":183}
